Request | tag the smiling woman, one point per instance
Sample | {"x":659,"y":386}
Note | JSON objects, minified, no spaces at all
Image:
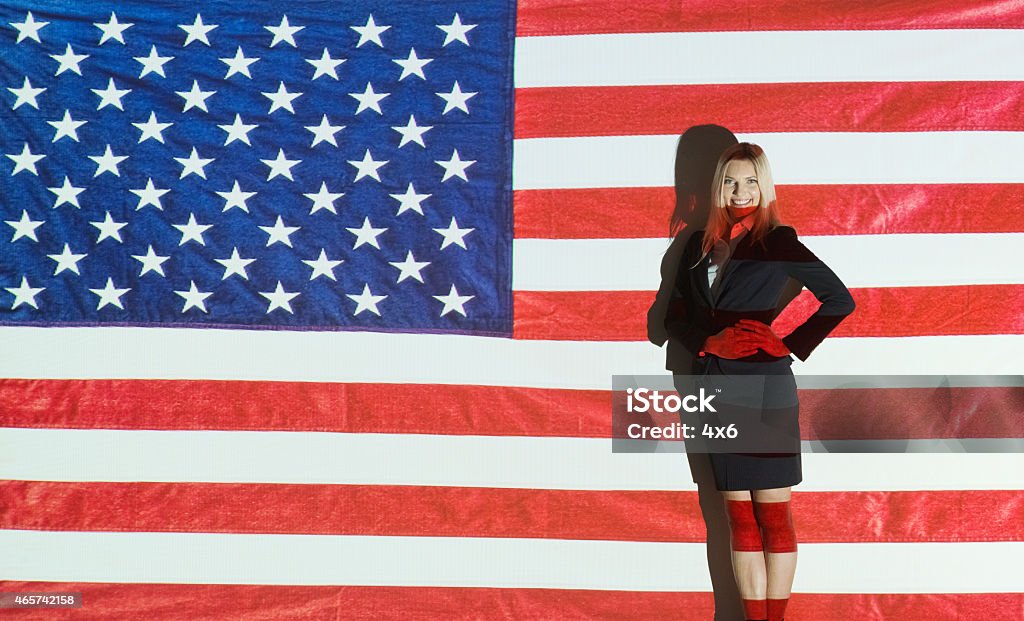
{"x":729,"y":285}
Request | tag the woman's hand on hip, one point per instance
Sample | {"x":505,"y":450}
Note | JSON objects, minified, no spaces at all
{"x":732,"y":343}
{"x":764,"y":337}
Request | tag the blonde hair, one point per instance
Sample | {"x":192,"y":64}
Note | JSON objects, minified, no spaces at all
{"x":765,"y":218}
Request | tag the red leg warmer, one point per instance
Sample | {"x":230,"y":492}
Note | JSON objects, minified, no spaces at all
{"x":755,"y":609}
{"x":746,"y":536}
{"x":776,"y":522}
{"x":777,"y":609}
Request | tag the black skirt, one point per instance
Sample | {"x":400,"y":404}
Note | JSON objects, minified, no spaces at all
{"x":773,"y":439}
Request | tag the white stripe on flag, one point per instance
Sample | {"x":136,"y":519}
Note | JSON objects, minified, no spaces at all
{"x":842,"y":158}
{"x":153,"y":353}
{"x":208,"y":558}
{"x":904,"y":260}
{"x":769,"y":57}
{"x":462,"y":461}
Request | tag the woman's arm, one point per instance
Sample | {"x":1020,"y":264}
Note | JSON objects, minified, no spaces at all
{"x":678,"y":321}
{"x":679,"y":326}
{"x":836,"y":301}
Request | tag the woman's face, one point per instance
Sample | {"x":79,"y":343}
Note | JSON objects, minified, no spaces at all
{"x":740,"y":191}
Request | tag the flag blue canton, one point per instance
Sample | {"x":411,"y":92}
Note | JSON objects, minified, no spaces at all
{"x":295,"y":164}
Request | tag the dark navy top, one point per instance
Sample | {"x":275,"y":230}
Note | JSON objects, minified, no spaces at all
{"x":750,"y":287}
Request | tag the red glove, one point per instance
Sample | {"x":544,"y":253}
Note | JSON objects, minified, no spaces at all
{"x":744,"y":339}
{"x":767,"y":340}
{"x":732,"y":343}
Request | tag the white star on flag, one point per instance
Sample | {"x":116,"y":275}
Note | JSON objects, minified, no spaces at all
{"x":111,"y":96}
{"x":456,"y":31}
{"x":238,"y":63}
{"x":66,"y":260}
{"x":410,"y":268}
{"x":235,"y":264}
{"x":453,"y":302}
{"x":66,"y":127}
{"x":366,"y":234}
{"x":113,"y":30}
{"x":284,"y":32}
{"x":26,"y":160}
{"x":367,"y":167}
{"x":410,"y":201}
{"x":368,"y":99}
{"x":279,"y":298}
{"x":455,"y":167}
{"x":281,"y":99}
{"x":324,"y":132}
{"x":152,"y":129}
{"x":370,"y":32}
{"x":279,"y":233}
{"x":110,"y":295}
{"x":107,"y":162}
{"x":197,"y":31}
{"x":323,"y":199}
{"x":194,"y":298}
{"x":456,"y":99}
{"x":195,"y":98}
{"x":192,"y":231}
{"x":25,"y":294}
{"x":281,"y":166}
{"x":193,"y":164}
{"x":66,"y":193}
{"x":237,"y":131}
{"x":413,"y":65}
{"x":322,"y":266}
{"x":366,"y":301}
{"x":149,"y":195}
{"x":26,"y":94}
{"x":154,"y":63}
{"x":235,"y":197}
{"x":411,"y":132}
{"x":453,"y":235}
{"x":109,"y":229}
{"x":25,"y":227}
{"x":69,"y":61}
{"x":325,"y":65}
{"x":151,"y":262}
{"x":29,"y":28}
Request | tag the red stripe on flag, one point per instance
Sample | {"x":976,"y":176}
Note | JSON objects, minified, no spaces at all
{"x":557,"y":17}
{"x":986,"y":412}
{"x":304,"y":406}
{"x":581,"y":315}
{"x":601,"y":213}
{"x":172,"y":602}
{"x":428,"y":511}
{"x":617,"y":213}
{"x":757,"y":108}
{"x":882,"y":311}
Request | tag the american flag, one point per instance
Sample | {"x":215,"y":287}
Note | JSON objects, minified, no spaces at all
{"x":289,"y":333}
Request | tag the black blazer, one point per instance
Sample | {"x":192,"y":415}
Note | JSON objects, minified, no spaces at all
{"x":751,"y":286}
